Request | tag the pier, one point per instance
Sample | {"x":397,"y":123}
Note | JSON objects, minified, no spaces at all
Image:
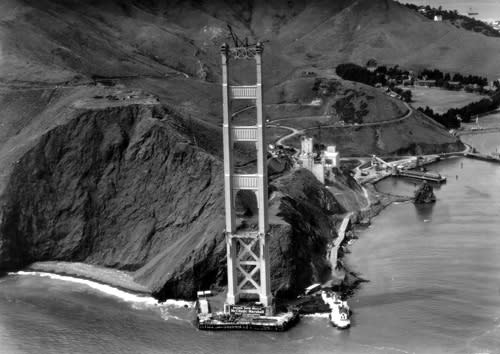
{"x":380,"y":169}
{"x":425,"y":176}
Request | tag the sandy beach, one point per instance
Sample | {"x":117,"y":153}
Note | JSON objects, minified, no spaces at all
{"x":114,"y":277}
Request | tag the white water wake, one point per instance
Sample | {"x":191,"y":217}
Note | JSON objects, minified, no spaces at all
{"x":317,"y":315}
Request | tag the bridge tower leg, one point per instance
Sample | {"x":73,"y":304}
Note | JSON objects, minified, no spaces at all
{"x":248,"y":266}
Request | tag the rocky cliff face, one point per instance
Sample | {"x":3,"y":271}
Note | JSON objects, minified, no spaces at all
{"x":124,"y":187}
{"x":299,"y":245}
{"x":119,"y":187}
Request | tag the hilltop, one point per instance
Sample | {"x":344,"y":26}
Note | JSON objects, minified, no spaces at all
{"x":457,"y":20}
{"x":61,"y":40}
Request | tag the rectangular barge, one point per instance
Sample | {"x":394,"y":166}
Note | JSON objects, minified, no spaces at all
{"x":225,"y":322}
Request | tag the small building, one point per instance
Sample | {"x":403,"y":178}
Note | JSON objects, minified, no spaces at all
{"x":316,"y":102}
{"x":331,"y":157}
{"x":308,"y":73}
{"x":472,"y":88}
{"x":371,"y":65}
{"x":392,"y":81}
{"x":438,"y":18}
{"x":488,"y":88}
{"x":425,"y":83}
{"x":454,"y":85}
{"x":408,"y":82}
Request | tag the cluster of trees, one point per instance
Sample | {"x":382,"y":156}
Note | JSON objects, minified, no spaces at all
{"x":406,"y":95}
{"x":394,"y":72}
{"x":443,"y":78}
{"x":460,"y":21}
{"x":354,"y":72}
{"x":358,"y":73}
{"x":452,"y":118}
{"x":383,"y":74}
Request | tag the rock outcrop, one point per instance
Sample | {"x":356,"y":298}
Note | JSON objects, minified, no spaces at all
{"x":424,"y":194}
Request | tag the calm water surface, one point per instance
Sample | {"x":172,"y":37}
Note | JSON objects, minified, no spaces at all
{"x":434,"y":287}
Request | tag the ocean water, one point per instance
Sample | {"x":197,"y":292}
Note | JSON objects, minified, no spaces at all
{"x":434,"y":287}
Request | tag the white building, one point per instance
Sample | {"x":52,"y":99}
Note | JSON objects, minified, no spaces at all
{"x":306,"y":156}
{"x":438,"y":18}
{"x":330,"y":158}
{"x":316,"y":102}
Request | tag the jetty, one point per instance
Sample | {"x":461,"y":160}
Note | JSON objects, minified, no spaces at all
{"x":484,"y":157}
{"x":380,"y":169}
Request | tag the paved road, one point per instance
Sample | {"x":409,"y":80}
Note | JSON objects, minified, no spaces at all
{"x":34,"y":85}
{"x":300,"y":117}
{"x":294,"y":131}
{"x":407,"y":115}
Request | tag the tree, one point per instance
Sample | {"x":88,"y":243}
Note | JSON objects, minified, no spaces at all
{"x":406,"y":95}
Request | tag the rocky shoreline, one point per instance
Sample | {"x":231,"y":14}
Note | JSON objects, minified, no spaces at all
{"x":346,"y":281}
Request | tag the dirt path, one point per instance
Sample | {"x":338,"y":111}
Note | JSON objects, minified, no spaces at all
{"x":334,"y":250}
{"x":293,"y":133}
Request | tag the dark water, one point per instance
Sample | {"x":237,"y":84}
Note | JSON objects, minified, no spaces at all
{"x":434,"y":288}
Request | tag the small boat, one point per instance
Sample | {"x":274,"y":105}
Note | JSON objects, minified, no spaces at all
{"x":339,"y":316}
{"x":340,"y":313}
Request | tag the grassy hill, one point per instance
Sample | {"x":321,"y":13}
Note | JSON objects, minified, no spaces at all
{"x":54,"y":40}
{"x":51,"y":51}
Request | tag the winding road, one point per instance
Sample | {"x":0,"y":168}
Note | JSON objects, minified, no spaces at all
{"x":334,"y":250}
{"x":294,"y":131}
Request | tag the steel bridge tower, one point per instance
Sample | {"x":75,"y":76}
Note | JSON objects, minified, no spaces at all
{"x":248,"y":266}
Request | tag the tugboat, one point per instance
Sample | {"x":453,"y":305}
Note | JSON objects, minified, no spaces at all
{"x":340,"y":314}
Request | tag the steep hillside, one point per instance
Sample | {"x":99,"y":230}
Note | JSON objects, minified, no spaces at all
{"x":121,"y":185}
